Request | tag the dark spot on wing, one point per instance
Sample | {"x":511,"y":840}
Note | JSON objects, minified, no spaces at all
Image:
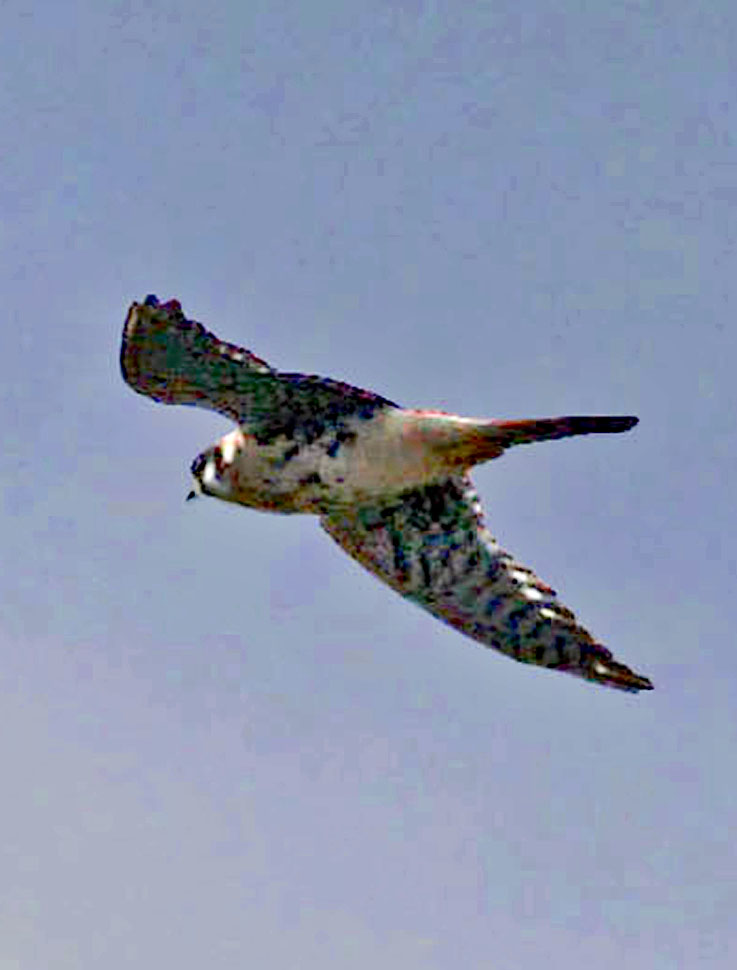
{"x":425,"y":566}
{"x":493,"y":604}
{"x":399,"y":551}
{"x":290,"y":453}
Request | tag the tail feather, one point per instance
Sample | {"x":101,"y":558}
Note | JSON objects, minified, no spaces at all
{"x":470,"y":442}
{"x":523,"y":432}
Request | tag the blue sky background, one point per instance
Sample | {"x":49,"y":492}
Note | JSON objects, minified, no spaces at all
{"x":222,"y":743}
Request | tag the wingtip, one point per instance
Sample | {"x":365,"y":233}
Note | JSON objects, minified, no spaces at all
{"x":138,"y":351}
{"x":128,"y":350}
{"x":613,"y":674}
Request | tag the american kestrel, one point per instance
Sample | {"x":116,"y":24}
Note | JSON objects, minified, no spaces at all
{"x":389,"y":484}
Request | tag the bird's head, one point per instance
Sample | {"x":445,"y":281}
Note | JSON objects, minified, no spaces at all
{"x":215,"y":471}
{"x":210,"y":475}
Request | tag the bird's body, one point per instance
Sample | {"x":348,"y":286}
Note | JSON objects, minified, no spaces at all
{"x":369,"y":457}
{"x":389,"y":484}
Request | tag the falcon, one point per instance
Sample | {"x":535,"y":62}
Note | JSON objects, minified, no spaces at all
{"x":389,"y":484}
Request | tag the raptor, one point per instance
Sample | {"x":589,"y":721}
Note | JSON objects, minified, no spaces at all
{"x":389,"y":484}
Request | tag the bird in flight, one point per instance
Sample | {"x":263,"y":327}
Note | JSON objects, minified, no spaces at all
{"x":390,"y":484}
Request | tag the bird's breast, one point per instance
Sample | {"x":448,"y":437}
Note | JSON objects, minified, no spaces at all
{"x":360,"y":460}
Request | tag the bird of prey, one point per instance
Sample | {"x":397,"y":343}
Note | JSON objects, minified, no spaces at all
{"x":389,"y":484}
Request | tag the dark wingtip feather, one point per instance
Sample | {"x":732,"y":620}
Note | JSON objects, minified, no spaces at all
{"x":613,"y":674}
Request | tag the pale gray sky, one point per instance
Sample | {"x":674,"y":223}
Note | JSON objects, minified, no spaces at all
{"x":222,"y":743}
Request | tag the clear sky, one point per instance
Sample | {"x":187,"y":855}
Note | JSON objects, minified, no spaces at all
{"x":222,"y":743}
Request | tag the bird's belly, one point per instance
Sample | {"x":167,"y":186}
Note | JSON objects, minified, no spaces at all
{"x":273,"y":478}
{"x":363,"y":466}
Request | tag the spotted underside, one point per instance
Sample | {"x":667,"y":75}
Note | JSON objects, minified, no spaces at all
{"x":430,"y":544}
{"x":301,"y":438}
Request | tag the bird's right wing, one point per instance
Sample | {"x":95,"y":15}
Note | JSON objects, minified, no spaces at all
{"x":431,"y":546}
{"x":174,"y":360}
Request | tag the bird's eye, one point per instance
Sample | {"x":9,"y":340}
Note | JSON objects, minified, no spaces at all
{"x":198,"y":466}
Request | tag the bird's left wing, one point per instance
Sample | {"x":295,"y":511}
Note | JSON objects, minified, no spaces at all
{"x":430,"y":545}
{"x":174,"y":360}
